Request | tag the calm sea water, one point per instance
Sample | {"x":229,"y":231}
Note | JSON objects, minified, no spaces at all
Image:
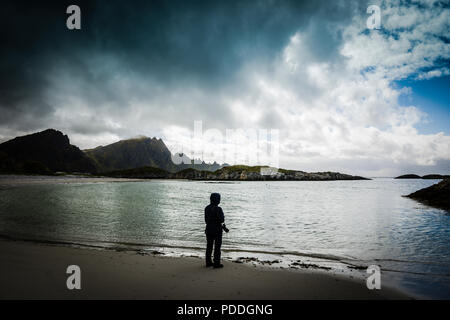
{"x":334,"y":223}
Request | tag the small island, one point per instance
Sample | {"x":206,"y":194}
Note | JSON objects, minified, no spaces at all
{"x":409,"y":176}
{"x":427,"y":176}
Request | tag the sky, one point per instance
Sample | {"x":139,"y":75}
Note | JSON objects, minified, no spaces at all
{"x":339,"y":96}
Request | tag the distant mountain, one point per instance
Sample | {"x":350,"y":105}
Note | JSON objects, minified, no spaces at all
{"x":141,"y":152}
{"x":44,"y":152}
{"x":428,"y":176}
{"x":132,"y":153}
{"x":186,"y":163}
{"x":50,"y":151}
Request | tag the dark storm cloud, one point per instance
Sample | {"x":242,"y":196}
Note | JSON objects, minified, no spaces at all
{"x":160,"y":45}
{"x":31,"y":37}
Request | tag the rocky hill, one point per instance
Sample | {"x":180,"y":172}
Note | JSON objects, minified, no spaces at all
{"x":44,"y":152}
{"x":132,"y":153}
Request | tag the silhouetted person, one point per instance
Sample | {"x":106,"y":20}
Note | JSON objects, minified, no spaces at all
{"x":214,"y":220}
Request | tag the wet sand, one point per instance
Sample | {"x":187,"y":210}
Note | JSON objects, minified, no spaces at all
{"x":38,"y":271}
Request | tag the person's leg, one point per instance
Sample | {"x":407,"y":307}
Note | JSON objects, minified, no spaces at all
{"x":209,"y":249}
{"x":217,"y":253}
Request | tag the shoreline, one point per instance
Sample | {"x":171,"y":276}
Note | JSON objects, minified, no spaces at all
{"x":32,"y":270}
{"x":26,"y":179}
{"x":259,"y":258}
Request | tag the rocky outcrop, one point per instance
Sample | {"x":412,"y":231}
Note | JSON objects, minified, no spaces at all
{"x":437,"y":195}
{"x":259,"y":173}
{"x":44,"y":152}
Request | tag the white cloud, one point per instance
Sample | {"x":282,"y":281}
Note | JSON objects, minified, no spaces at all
{"x":347,"y":109}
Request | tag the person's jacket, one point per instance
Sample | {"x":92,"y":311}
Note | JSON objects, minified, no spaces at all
{"x":214,"y":218}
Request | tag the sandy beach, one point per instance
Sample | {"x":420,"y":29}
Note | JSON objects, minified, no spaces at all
{"x":31,"y":270}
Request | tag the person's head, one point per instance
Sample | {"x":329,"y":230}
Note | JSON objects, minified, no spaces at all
{"x":215,"y":198}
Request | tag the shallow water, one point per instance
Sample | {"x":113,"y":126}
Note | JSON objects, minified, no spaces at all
{"x":327,"y":223}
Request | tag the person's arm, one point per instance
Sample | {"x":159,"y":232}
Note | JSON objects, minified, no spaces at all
{"x":222,"y":220}
{"x":206,"y":215}
{"x":221,"y":216}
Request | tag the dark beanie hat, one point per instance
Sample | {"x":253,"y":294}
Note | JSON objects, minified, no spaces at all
{"x":215,"y":198}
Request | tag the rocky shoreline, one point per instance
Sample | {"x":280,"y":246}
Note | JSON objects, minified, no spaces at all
{"x":233,"y":173}
{"x":437,"y":195}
